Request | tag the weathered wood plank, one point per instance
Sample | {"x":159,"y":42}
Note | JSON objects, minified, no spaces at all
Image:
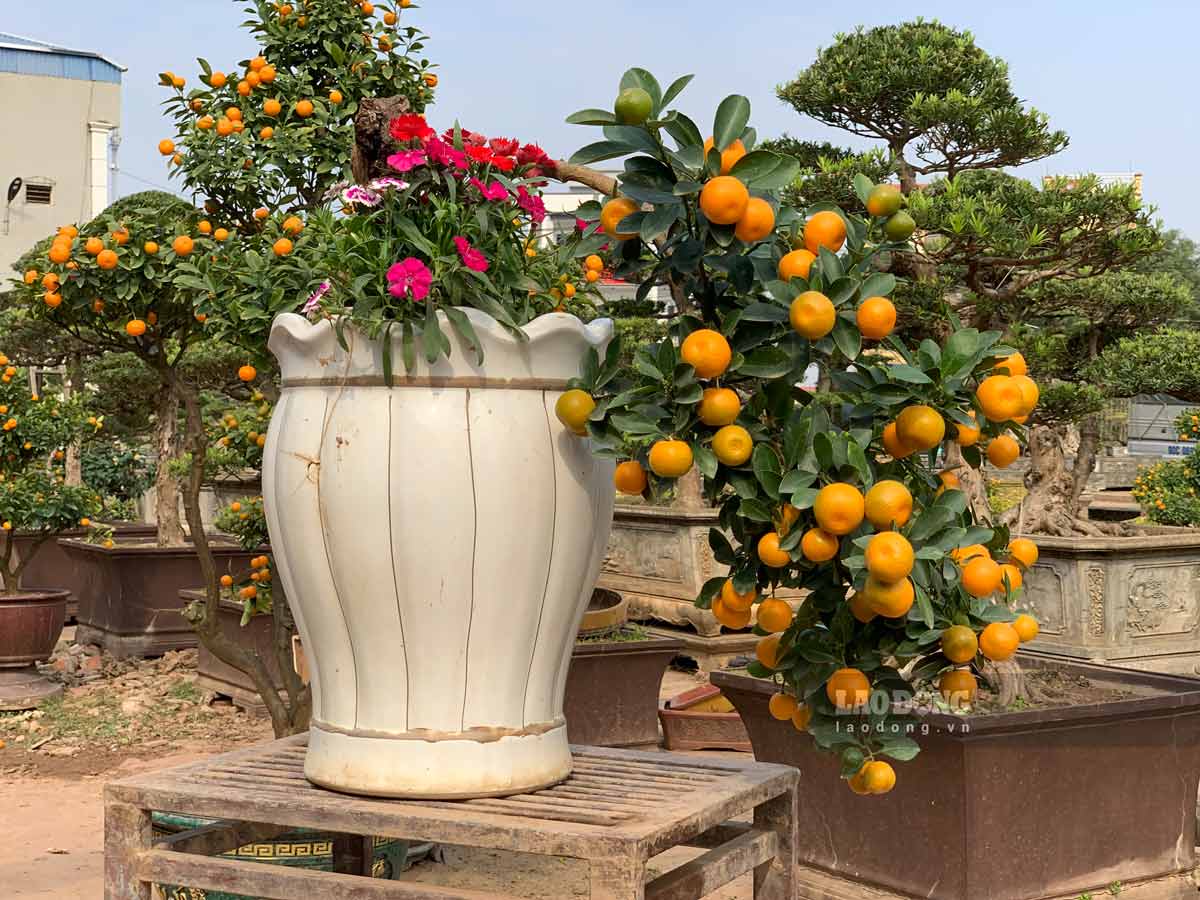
{"x":284,"y":883}
{"x":127,"y":832}
{"x":353,"y":854}
{"x":776,"y":879}
{"x":716,"y":868}
{"x":718,"y":835}
{"x":617,"y":878}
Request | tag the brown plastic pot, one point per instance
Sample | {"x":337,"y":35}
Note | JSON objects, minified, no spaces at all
{"x":31,"y":623}
{"x":1013,"y":806}
{"x":257,"y":635}
{"x":52,"y":565}
{"x":135,"y":608}
{"x":607,"y":610}
{"x":612,"y":691}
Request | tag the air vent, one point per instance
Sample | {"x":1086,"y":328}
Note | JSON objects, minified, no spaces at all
{"x":38,"y":193}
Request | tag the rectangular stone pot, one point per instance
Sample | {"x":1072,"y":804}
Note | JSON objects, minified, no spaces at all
{"x":1026,"y":805}
{"x":52,"y":564}
{"x":135,"y":607}
{"x":219,"y":677}
{"x":612,"y":691}
{"x":1125,"y":601}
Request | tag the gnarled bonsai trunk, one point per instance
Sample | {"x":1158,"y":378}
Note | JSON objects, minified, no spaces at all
{"x":166,"y":485}
{"x":72,"y":385}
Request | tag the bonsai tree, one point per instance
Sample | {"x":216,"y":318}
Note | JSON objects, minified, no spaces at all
{"x":35,"y":500}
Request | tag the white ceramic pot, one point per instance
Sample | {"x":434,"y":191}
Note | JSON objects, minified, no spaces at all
{"x":438,"y":541}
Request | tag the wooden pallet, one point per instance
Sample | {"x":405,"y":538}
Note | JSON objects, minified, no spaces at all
{"x":617,"y":810}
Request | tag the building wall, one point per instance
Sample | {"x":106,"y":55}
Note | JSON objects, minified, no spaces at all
{"x":52,"y":143}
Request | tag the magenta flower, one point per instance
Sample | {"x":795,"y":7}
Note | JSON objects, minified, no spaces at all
{"x":443,"y":154}
{"x":381,"y":184}
{"x":409,"y":278}
{"x":313,"y":304}
{"x":406,"y":160}
{"x":472,"y":258}
{"x":494,"y":191}
{"x":532,"y":204}
{"x":358,"y":194}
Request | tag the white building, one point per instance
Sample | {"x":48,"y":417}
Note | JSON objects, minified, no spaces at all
{"x":64,"y":109}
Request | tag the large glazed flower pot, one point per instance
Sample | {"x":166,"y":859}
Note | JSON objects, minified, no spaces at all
{"x":31,"y":622}
{"x":438,"y":540}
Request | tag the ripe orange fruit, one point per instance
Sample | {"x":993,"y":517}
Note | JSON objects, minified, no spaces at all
{"x":247,"y":373}
{"x":1013,"y":574}
{"x":574,"y":408}
{"x":961,"y":554}
{"x":766,"y":651}
{"x":895,"y":447}
{"x":878,"y":777}
{"x":857,"y":783}
{"x":729,"y":156}
{"x":735,"y":601}
{"x":967,"y":436}
{"x":594,"y":263}
{"x":272,"y":107}
{"x":1003,"y":451}
{"x":999,"y":641}
{"x":860,"y":607}
{"x":389,"y":18}
{"x":959,"y":644}
{"x":630,"y":477}
{"x":719,"y":406}
{"x":266,"y":74}
{"x":304,"y":109}
{"x":1026,"y":627}
{"x":812,"y":315}
{"x":1012,"y":365}
{"x":335,"y":97}
{"x":221,"y":234}
{"x":262,"y":213}
{"x":771,"y":555}
{"x":670,"y":459}
{"x":183,"y":245}
{"x":888,"y":504}
{"x":733,"y":445}
{"x":93,"y":246}
{"x":958,"y":686}
{"x":848,"y":688}
{"x":244,"y":88}
{"x":234,"y":114}
{"x":166,"y":147}
{"x":59,"y":253}
{"x":785,"y":518}
{"x":205,"y":226}
{"x":724,"y":200}
{"x":774,"y":615}
{"x":876,"y":317}
{"x":1029,"y":394}
{"x":611,"y":215}
{"x":825,"y":229}
{"x":52,"y":300}
{"x":782,"y":706}
{"x":1000,"y":398}
{"x":884,"y":200}
{"x":707,"y":351}
{"x":796,"y":264}
{"x":890,"y":600}
{"x":819,"y":545}
{"x":757,"y":223}
{"x":981,"y":576}
{"x":135,"y":327}
{"x":430,"y":79}
{"x":107,"y":259}
{"x":839,"y":508}
{"x":226,"y":581}
{"x":282,"y":247}
{"x":224,"y":127}
{"x":889,"y":557}
{"x":49,"y":282}
{"x":730,"y":618}
{"x":920,"y":427}
{"x":1024,"y":551}
{"x":257,"y":63}
{"x":293,"y":225}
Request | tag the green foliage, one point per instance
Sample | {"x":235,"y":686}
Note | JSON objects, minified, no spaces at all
{"x":1165,"y":361}
{"x":115,"y":471}
{"x":926,"y":86}
{"x":827,"y":172}
{"x":245,"y":520}
{"x":1167,"y":492}
{"x":636,"y":332}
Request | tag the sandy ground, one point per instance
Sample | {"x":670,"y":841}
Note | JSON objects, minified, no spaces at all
{"x":51,"y":815}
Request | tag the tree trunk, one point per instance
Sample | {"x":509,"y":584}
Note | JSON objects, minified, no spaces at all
{"x":166,"y":485}
{"x":972,"y":482}
{"x":1085,"y":459}
{"x":73,"y":385}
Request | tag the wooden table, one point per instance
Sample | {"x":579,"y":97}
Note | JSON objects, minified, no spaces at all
{"x":618,"y":809}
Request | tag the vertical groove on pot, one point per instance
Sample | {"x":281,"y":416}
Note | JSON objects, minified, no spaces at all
{"x":537,"y":631}
{"x":391,"y":469}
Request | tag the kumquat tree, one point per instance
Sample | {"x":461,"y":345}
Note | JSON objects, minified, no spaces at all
{"x":841,"y":492}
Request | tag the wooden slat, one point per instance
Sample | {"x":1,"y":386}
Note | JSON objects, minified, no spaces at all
{"x":669,"y":770}
{"x":716,"y":868}
{"x":286,"y":883}
{"x":718,"y":835}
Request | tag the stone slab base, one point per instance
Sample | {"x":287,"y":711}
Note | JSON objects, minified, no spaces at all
{"x":814,"y":884}
{"x":247,"y":701}
{"x":140,"y":646}
{"x":25,"y":689}
{"x":709,"y":652}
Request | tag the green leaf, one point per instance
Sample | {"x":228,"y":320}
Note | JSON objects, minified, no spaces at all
{"x":768,"y":362}
{"x":659,"y":221}
{"x":755,"y":510}
{"x":592,"y":117}
{"x":847,"y":338}
{"x":796,"y":480}
{"x":706,"y":460}
{"x":909,"y":374}
{"x":879,"y":284}
{"x":730,"y":121}
{"x":600,"y":151}
{"x":766,"y":469}
{"x":764,"y":312}
{"x":863,"y":187}
{"x":466,"y":331}
{"x":675,"y":89}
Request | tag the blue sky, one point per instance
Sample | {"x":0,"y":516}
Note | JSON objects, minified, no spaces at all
{"x":1119,"y":78}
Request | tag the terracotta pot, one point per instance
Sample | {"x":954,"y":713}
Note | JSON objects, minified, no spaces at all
{"x":219,"y":677}
{"x":1013,"y":799}
{"x":53,"y":565}
{"x":606,"y":611}
{"x":133,"y":607}
{"x":612,"y":691}
{"x":438,"y":540}
{"x":31,"y":623}
{"x":702,"y":719}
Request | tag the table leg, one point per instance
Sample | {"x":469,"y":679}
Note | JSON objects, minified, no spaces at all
{"x":776,"y":880}
{"x":127,"y":832}
{"x":353,"y":854}
{"x":617,"y":879}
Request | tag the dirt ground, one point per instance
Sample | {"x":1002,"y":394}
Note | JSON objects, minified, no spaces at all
{"x":122,"y":718}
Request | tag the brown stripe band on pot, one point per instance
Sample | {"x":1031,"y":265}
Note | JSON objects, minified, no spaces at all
{"x":430,"y":381}
{"x":482,"y":735}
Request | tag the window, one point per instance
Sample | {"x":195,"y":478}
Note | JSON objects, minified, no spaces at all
{"x":38,"y":193}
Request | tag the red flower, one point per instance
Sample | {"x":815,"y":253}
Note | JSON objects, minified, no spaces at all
{"x":504,"y":163}
{"x":533,"y":155}
{"x":411,"y":127}
{"x":468,"y":137}
{"x":479,"y":154}
{"x":505,"y":146}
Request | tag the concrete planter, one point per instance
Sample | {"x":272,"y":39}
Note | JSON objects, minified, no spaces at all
{"x":132,"y":606}
{"x":1126,"y":601}
{"x":1032,"y":805}
{"x":439,"y":539}
{"x":612,"y":691}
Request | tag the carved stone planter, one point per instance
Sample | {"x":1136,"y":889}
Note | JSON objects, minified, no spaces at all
{"x":1127,"y":601}
{"x":658,"y":559}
